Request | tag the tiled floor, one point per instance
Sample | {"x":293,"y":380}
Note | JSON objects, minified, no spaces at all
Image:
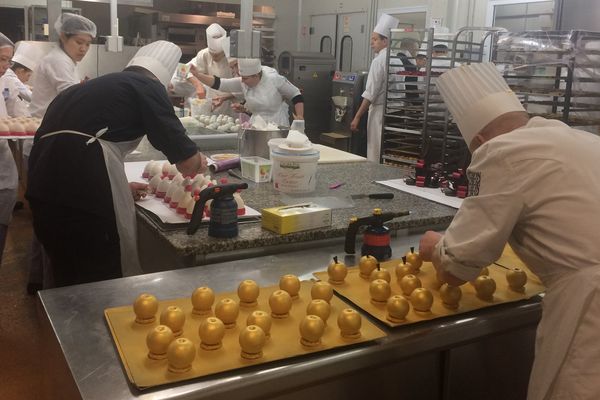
{"x":20,"y":343}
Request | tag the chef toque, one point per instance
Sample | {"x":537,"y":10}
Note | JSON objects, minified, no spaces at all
{"x":28,"y":54}
{"x":249,"y":66}
{"x":214,"y":35}
{"x":73,"y":24}
{"x":476,"y":94}
{"x":160,"y":58}
{"x":226,"y":44}
{"x":384,"y":24}
{"x":5,"y":41}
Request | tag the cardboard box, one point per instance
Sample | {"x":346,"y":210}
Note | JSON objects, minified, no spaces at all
{"x":295,"y":218}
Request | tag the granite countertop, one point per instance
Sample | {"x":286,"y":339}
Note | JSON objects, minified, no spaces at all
{"x":357,"y":177}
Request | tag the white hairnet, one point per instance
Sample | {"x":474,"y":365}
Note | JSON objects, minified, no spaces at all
{"x":73,"y":24}
{"x":5,"y":41}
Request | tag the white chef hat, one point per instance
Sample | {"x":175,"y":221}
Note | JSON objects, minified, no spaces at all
{"x":73,"y":24}
{"x":226,"y":43}
{"x":28,"y":54}
{"x":160,"y":58}
{"x":249,"y":66}
{"x":384,"y":24}
{"x":476,"y":94}
{"x":5,"y":41}
{"x":214,"y":36}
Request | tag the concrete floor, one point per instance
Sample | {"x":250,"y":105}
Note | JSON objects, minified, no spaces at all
{"x":20,"y":341}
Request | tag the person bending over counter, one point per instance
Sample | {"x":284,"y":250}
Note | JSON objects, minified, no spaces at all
{"x":263,"y":88}
{"x":534,"y":183}
{"x":83,"y":207}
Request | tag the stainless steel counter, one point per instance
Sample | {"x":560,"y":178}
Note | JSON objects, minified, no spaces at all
{"x":483,"y":354}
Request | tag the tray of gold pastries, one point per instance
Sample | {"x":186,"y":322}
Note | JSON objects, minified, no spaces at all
{"x":168,"y":341}
{"x":400,"y":292}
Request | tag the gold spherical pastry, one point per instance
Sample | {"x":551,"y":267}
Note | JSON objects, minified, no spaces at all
{"x":337,"y":272}
{"x":381,"y":274}
{"x":485,"y":287}
{"x":516,"y":278}
{"x":145,"y":308}
{"x":248,"y":292}
{"x":158,"y":341}
{"x":174,"y":318}
{"x":366,"y":265}
{"x":409,"y":283}
{"x":312,"y":328}
{"x":380,"y":291}
{"x":320,"y":308}
{"x":483,"y":271}
{"x":421,"y":299}
{"x":403,"y":269}
{"x":291,"y":284}
{"x":181,"y":354}
{"x":262,"y":319}
{"x":321,"y":290}
{"x":280,"y":302}
{"x":349,"y":321}
{"x":397,"y":308}
{"x":414,"y":259}
{"x":202,"y":300}
{"x":450,"y":295}
{"x":211,"y":332}
{"x":227,"y":310}
{"x":252,"y":340}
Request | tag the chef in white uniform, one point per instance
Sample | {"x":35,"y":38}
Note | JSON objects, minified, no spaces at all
{"x":27,"y":55}
{"x":374,"y":94}
{"x":265,"y":91}
{"x":534,"y":184}
{"x":8,"y":170}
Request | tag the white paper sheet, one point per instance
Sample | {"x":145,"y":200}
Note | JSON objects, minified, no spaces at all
{"x":426,"y":193}
{"x":134,"y":170}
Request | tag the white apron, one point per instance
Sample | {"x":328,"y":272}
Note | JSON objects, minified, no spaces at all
{"x":124,"y":207}
{"x":9,"y":179}
{"x":374,"y":127}
{"x":566,"y":306}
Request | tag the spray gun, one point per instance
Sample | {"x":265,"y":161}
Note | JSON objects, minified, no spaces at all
{"x":223,"y":210}
{"x":341,"y":105}
{"x":376,"y":239}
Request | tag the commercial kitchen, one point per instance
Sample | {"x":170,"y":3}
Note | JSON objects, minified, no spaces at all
{"x":326,"y":199}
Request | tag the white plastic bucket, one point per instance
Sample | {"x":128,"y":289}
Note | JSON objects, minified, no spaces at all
{"x":295,"y":173}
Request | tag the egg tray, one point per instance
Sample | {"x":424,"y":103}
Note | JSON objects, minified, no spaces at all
{"x":356,"y":290}
{"x":143,"y":372}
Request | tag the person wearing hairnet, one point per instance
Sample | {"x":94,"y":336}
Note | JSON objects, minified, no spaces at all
{"x":58,"y":69}
{"x":532,"y":183}
{"x":264,"y":90}
{"x":26,"y":57}
{"x":9,"y":179}
{"x":374,"y":94}
{"x":82,"y":205}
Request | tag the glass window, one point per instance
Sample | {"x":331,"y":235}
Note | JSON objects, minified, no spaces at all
{"x":346,"y":54}
{"x":326,"y":45}
{"x":525,"y":16}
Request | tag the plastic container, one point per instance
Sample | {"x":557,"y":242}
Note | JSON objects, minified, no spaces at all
{"x":295,"y":172}
{"x":274,"y":145}
{"x":256,"y":169}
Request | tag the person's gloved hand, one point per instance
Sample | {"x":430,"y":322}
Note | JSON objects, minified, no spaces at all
{"x":138,"y":190}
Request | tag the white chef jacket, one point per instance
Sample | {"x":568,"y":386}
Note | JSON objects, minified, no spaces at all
{"x":18,"y":94}
{"x":53,"y":74}
{"x":207,"y":65}
{"x":9,"y":179}
{"x":375,"y":92}
{"x":266,"y":99}
{"x":538,"y":188}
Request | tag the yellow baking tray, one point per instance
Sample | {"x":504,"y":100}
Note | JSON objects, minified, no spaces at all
{"x":143,"y":372}
{"x":356,"y":290}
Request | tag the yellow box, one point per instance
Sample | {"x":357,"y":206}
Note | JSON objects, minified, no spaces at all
{"x":295,"y":218}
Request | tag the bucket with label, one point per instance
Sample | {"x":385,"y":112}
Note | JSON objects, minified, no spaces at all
{"x":295,"y":166}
